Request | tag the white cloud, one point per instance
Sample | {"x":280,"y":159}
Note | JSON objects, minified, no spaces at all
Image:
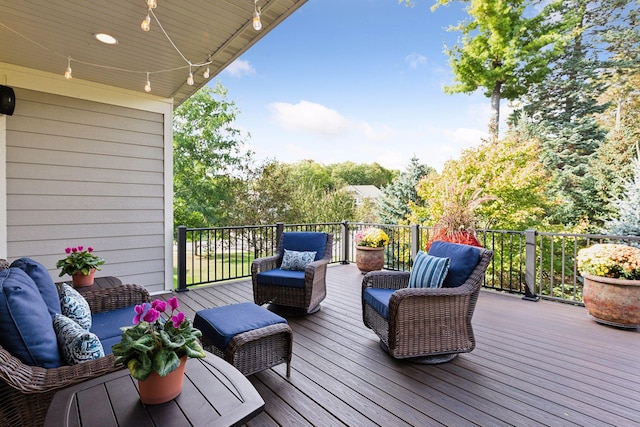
{"x":239,"y":68}
{"x":415,"y":60}
{"x":310,"y":117}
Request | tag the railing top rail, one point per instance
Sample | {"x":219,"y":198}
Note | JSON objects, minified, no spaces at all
{"x":589,"y":236}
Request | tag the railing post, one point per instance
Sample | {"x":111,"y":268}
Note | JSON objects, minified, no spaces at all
{"x":345,"y":242}
{"x":530,"y":266}
{"x":182,"y":259}
{"x":279,"y":231}
{"x":415,"y":240}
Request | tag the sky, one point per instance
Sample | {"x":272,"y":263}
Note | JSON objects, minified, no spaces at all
{"x":356,"y":80}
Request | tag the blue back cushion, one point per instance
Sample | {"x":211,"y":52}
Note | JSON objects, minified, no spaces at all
{"x":279,"y":277}
{"x":428,"y":271}
{"x":221,"y":324}
{"x":463,"y":258}
{"x":378,"y":299}
{"x":26,"y":327}
{"x":305,"y":241}
{"x":43,"y":281}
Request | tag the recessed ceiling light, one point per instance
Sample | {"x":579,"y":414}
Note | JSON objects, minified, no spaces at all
{"x":105,"y":38}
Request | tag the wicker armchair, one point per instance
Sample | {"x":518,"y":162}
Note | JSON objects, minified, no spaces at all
{"x":425,"y":325}
{"x":293,"y":292}
{"x":26,"y":391}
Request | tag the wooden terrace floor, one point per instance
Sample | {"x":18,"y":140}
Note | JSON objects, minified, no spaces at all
{"x":535,"y":363}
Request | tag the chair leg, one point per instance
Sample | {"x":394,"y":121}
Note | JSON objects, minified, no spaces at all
{"x":423,"y":360}
{"x":286,"y":311}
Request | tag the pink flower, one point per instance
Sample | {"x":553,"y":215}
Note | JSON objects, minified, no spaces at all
{"x":139,"y":309}
{"x":89,"y":249}
{"x":173,"y":303}
{"x":74,"y":250}
{"x":177,"y":319}
{"x":80,"y":248}
{"x":68,"y":250}
{"x":152,"y":315}
{"x":159,"y":305}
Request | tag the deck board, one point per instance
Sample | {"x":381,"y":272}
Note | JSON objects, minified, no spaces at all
{"x":535,"y":364}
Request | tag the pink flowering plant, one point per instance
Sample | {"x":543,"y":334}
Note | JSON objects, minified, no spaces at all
{"x":610,"y":260}
{"x":79,"y":260}
{"x":159,"y":337}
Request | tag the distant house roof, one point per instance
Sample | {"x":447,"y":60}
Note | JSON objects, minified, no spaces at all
{"x":361,"y":192}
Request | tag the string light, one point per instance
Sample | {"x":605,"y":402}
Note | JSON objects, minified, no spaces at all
{"x":152,"y":4}
{"x":206,"y":73}
{"x":67,"y":72}
{"x":190,"y":78}
{"x":146,"y":22}
{"x":257,"y":24}
{"x":147,"y":85}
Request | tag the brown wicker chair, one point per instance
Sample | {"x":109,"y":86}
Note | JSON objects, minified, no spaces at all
{"x":293,"y":300}
{"x":26,"y":391}
{"x":425,"y":325}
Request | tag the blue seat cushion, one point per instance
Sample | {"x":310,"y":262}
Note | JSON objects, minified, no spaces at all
{"x":221,"y":324}
{"x":464,"y":259}
{"x":378,"y":299}
{"x":107,"y":324}
{"x":279,"y":277}
{"x":26,"y":326}
{"x":305,"y":241}
{"x":107,"y":343}
{"x":43,"y":281}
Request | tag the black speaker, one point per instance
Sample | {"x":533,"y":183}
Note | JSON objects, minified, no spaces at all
{"x":7,"y":100}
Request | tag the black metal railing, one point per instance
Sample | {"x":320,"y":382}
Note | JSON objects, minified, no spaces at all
{"x":530,"y":263}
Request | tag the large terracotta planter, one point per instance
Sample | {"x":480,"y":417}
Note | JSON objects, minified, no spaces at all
{"x":80,"y":280}
{"x":369,"y":259}
{"x":156,"y":389}
{"x":611,"y":301}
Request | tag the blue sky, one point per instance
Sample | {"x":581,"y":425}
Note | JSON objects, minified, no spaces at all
{"x":356,"y":80}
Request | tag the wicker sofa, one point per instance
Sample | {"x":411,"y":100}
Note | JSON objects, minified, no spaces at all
{"x":426,"y":325}
{"x":26,"y":391}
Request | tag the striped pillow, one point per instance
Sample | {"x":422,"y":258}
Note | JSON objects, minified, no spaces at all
{"x":428,"y":271}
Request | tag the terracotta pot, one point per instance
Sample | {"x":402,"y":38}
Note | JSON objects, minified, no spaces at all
{"x":369,"y":259}
{"x":80,"y":280}
{"x":156,"y":389}
{"x":611,"y":301}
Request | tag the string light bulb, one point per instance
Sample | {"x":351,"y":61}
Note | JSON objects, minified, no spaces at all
{"x":152,"y":4}
{"x":67,"y":72}
{"x":257,"y":24}
{"x":146,"y":22}
{"x":190,"y":78}
{"x":206,"y":73}
{"x":147,"y":85}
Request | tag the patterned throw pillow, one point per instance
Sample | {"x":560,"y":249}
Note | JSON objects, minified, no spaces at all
{"x":428,"y":271}
{"x":75,"y":307}
{"x":293,"y":260}
{"x":77,"y":345}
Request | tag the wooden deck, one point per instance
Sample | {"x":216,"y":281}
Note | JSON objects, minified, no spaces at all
{"x":535,"y":363}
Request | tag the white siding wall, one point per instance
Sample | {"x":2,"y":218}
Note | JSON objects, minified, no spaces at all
{"x":81,"y":172}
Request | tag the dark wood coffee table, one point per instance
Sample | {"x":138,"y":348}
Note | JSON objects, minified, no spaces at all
{"x":214,"y":394}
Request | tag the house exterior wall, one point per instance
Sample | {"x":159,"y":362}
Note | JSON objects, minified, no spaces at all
{"x":84,"y":172}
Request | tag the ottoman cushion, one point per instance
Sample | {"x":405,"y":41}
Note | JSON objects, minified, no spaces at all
{"x":221,"y":324}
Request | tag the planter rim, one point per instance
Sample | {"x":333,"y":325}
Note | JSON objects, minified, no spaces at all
{"x":368,"y":248}
{"x":611,"y":280}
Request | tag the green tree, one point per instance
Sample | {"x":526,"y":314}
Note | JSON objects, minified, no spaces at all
{"x":627,"y":220}
{"x":502,"y":51}
{"x":394,"y":206}
{"x":207,"y":152}
{"x":350,"y":173}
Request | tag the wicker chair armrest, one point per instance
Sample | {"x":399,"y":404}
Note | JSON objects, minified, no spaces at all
{"x":116,"y":297}
{"x":264,"y":264}
{"x":33,"y":379}
{"x":386,"y":279}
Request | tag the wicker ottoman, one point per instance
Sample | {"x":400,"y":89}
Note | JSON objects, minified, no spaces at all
{"x":246,"y":335}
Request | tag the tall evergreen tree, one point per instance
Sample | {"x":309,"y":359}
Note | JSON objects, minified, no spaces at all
{"x":627,"y":222}
{"x":394,"y":205}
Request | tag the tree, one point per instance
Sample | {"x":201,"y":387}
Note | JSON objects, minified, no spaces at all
{"x":627,"y":222}
{"x":349,"y":173}
{"x":502,"y":51}
{"x":395,"y":205}
{"x":207,"y":152}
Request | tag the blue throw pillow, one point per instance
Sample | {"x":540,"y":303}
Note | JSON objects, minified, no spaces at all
{"x":428,"y":271}
{"x":293,"y":260}
{"x":43,"y":281}
{"x":77,"y":345}
{"x":26,"y":329}
{"x":75,"y":307}
{"x":464,"y":259}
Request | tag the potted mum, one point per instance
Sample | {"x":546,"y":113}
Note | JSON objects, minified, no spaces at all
{"x":370,"y":243}
{"x":611,"y":291}
{"x":155,"y":349}
{"x":81,"y":264}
